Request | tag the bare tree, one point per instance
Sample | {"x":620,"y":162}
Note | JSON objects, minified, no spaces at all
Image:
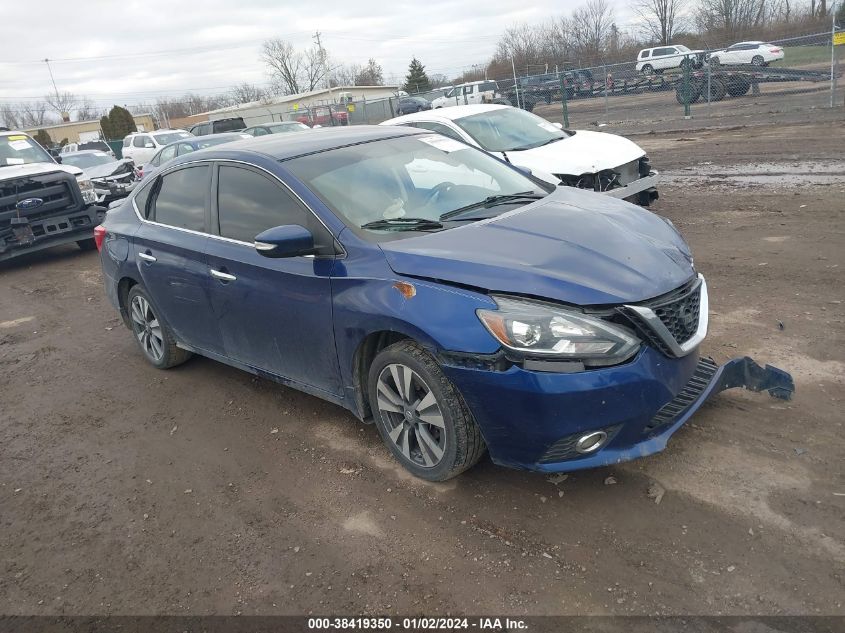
{"x":285,"y":65}
{"x":33,"y":113}
{"x":592,"y":27}
{"x":370,"y":75}
{"x":343,"y":75}
{"x":660,"y":18}
{"x":315,"y":64}
{"x":86,"y":110}
{"x":246,"y":93}
{"x":62,"y":102}
{"x":10,"y":115}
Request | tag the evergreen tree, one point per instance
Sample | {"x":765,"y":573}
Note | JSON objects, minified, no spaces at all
{"x":118,"y":123}
{"x":417,"y":80}
{"x":105,"y":126}
{"x":43,"y":139}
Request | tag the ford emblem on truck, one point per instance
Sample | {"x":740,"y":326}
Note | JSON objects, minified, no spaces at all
{"x":29,"y":204}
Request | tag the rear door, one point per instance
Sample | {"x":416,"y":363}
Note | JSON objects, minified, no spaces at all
{"x":273,"y":314}
{"x":170,"y":253}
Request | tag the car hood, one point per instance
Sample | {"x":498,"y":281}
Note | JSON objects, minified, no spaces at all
{"x":576,"y":247}
{"x":582,"y":153}
{"x":107,"y":169}
{"x":36,"y":169}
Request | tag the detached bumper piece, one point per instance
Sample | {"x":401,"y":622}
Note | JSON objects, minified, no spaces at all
{"x":707,"y":380}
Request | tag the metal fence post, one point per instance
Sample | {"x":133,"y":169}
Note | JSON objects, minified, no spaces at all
{"x":606,"y":115}
{"x":563,"y":101}
{"x":686,"y":91}
{"x":709,"y":111}
{"x":833,"y":55}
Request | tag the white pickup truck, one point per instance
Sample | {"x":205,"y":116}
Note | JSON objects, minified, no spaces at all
{"x":42,"y":203}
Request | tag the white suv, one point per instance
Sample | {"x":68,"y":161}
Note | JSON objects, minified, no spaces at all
{"x":142,"y":146}
{"x":466,"y":94}
{"x":660,"y":58}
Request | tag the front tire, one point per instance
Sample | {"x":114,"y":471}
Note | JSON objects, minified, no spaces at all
{"x":151,"y":332}
{"x":648,"y":69}
{"x":420,"y":414}
{"x":758,"y":60}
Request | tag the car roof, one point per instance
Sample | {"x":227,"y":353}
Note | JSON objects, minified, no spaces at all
{"x":450,"y":113}
{"x":286,"y":146}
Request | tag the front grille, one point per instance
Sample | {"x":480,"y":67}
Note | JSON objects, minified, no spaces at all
{"x":53,"y":189}
{"x":564,"y":448}
{"x":668,"y":413}
{"x":679,"y":310}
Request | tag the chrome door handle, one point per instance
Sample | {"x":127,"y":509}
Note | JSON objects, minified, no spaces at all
{"x":222,"y":276}
{"x":146,"y":257}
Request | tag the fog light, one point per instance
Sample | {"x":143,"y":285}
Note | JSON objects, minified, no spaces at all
{"x":591,"y":442}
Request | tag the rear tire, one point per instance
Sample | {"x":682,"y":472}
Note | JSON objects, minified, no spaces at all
{"x":717,"y":90}
{"x":87,"y":245}
{"x":151,"y":332}
{"x":420,"y":414}
{"x":758,"y":60}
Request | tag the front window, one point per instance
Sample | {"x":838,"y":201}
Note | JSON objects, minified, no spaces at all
{"x":19,"y":149}
{"x":411,"y":183}
{"x":87,"y":160}
{"x":170,"y":137}
{"x":510,"y":129}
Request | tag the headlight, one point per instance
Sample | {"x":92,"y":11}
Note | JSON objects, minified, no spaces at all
{"x":89,"y":196}
{"x":538,"y":329}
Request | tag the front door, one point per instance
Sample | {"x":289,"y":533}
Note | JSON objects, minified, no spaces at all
{"x":273,"y":314}
{"x":170,"y":251}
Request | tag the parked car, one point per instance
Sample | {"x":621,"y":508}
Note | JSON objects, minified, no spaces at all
{"x":463,"y":94}
{"x":188,"y":145}
{"x":406,"y":105}
{"x":42,"y":203}
{"x":100,"y":146}
{"x":425,"y":284}
{"x":323,"y":115}
{"x":142,"y":146}
{"x":220,"y":126}
{"x":755,"y":53}
{"x":282,"y":127}
{"x":598,"y":161}
{"x":112,"y":178}
{"x":660,"y":58}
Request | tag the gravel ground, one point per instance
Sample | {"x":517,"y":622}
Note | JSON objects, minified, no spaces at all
{"x":203,"y":490}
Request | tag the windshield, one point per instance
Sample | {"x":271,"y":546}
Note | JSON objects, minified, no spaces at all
{"x":164,"y":139}
{"x":509,"y":129}
{"x":87,"y":160}
{"x":19,"y":149}
{"x":294,"y":126}
{"x":218,"y":140}
{"x":407,"y":179}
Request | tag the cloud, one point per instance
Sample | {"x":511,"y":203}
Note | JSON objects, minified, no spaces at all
{"x":132,"y":52}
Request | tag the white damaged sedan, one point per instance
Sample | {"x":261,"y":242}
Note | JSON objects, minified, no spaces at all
{"x":597,"y":161}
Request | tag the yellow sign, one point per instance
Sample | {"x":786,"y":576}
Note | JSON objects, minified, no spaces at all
{"x":295,"y":107}
{"x":350,"y":107}
{"x":839,"y":38}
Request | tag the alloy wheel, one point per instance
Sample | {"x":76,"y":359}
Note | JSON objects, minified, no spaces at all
{"x":147,"y":328}
{"x":411,"y":415}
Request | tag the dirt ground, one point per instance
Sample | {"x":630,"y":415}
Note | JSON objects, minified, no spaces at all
{"x":127,"y":490}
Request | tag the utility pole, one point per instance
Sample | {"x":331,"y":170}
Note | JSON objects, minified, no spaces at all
{"x":50,"y":70}
{"x":323,"y":60}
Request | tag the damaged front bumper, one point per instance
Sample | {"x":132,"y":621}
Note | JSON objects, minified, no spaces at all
{"x":534,"y":420}
{"x":27,"y":235}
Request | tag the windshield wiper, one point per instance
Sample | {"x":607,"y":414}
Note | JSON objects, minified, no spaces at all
{"x":524,"y":147}
{"x":492,"y":201}
{"x":404,"y":224}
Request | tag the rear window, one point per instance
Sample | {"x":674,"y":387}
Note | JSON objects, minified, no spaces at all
{"x":644,"y":54}
{"x":181,"y":197}
{"x":229,"y":125}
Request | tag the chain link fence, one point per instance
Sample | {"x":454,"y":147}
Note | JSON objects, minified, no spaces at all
{"x":723,"y":86}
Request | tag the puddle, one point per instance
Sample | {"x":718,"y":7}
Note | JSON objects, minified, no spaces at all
{"x":784,"y":175}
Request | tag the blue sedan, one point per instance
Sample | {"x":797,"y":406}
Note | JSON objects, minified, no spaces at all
{"x":457,"y":302}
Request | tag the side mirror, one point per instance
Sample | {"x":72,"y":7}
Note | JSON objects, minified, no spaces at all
{"x":149,"y":145}
{"x":289,"y":240}
{"x":558,"y":125}
{"x":58,"y":159}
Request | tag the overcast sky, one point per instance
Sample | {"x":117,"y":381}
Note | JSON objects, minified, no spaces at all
{"x":123,"y":51}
